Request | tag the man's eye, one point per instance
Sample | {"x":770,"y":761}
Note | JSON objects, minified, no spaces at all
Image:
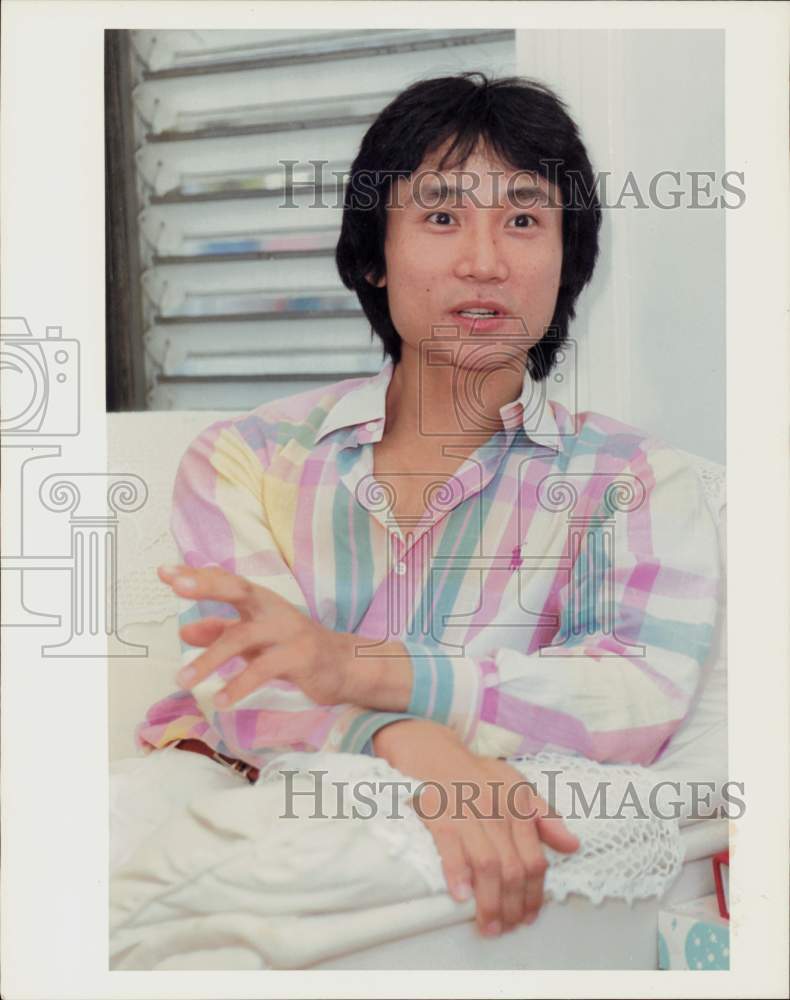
{"x":442,"y":218}
{"x":523,"y":221}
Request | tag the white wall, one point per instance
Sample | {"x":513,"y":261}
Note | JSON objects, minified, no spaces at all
{"x":651,"y":326}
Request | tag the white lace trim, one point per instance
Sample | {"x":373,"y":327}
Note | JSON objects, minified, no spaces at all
{"x":621,"y":856}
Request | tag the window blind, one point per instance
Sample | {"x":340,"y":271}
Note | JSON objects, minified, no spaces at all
{"x":243,"y":141}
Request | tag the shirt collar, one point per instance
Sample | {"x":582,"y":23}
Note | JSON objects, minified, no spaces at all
{"x":366,"y":403}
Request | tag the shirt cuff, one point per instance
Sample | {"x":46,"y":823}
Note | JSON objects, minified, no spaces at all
{"x":446,"y":688}
{"x":356,"y":734}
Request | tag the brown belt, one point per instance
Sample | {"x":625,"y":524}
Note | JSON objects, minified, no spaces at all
{"x":198,"y":746}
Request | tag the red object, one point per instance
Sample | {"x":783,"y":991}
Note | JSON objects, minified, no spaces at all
{"x":720,"y":860}
{"x":198,"y":746}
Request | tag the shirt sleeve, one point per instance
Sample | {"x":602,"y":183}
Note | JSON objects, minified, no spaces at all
{"x":223,"y":515}
{"x":636,"y":622}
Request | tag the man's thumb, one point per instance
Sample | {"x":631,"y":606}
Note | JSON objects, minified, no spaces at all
{"x":556,"y":834}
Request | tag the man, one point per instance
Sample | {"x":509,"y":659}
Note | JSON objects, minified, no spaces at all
{"x":438,"y":565}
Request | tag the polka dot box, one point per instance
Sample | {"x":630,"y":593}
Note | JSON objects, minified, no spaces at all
{"x":694,"y":935}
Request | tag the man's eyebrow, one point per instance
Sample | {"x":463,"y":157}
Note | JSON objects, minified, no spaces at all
{"x":529,"y":194}
{"x":438,"y":191}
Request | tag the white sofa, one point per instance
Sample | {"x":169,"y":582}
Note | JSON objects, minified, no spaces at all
{"x":149,"y":445}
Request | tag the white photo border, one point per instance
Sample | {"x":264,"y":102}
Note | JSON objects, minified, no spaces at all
{"x":54,"y":713}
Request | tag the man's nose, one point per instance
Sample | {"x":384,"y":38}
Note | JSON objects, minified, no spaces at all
{"x":480,"y":256}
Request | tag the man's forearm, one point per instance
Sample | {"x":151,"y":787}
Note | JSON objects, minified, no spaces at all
{"x":382,"y":681}
{"x":396,"y":742}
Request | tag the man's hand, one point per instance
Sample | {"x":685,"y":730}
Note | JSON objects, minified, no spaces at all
{"x":485,"y":820}
{"x":280,"y":641}
{"x":275,"y":638}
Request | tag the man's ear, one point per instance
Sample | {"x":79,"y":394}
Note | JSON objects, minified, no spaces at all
{"x":376,"y":284}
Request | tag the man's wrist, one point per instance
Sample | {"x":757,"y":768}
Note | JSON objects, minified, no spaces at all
{"x":384,"y":738}
{"x":381,"y":681}
{"x":398,"y":738}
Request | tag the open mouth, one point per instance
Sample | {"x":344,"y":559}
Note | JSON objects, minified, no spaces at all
{"x":477,"y":313}
{"x":482,"y":310}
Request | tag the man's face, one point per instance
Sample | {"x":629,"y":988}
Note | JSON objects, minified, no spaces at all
{"x":478,"y":248}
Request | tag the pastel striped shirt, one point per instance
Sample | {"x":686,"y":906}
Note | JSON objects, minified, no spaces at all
{"x":559,"y":593}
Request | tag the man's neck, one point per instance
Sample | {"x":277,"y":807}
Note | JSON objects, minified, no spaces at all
{"x":428,"y":406}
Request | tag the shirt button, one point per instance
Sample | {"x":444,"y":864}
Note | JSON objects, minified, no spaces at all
{"x":400,"y":568}
{"x":371,"y":426}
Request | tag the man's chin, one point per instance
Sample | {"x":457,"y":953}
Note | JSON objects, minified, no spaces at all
{"x":483,"y":355}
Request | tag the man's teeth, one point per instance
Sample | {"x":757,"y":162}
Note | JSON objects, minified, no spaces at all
{"x":478,"y":312}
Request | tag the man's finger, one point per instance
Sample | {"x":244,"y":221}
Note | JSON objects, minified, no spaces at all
{"x":256,"y":675}
{"x":454,"y":863}
{"x":205,"y":630}
{"x":513,"y":878}
{"x":484,"y":861}
{"x":552,"y":828}
{"x":215,"y":584}
{"x":244,"y":637}
{"x":526,"y":838}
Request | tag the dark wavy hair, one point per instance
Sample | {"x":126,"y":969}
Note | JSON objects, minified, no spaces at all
{"x":521,"y":121}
